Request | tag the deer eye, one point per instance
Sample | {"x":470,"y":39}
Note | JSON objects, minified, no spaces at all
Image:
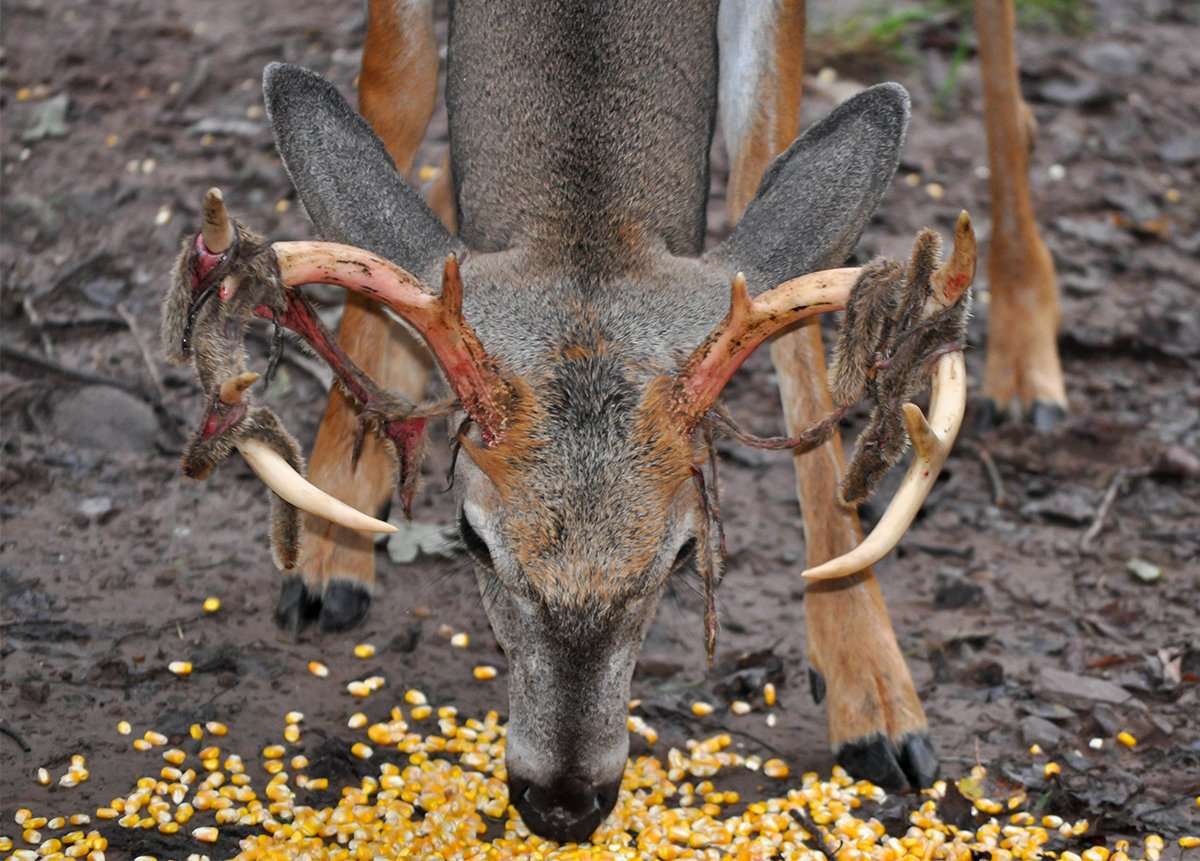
{"x":476,"y":546}
{"x":685,"y":555}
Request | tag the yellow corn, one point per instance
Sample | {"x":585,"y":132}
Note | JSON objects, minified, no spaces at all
{"x":484,"y":672}
{"x":318,"y":669}
{"x":364,"y":651}
{"x":701,"y":709}
{"x":212,"y":604}
{"x":460,"y":640}
{"x":180,"y":668}
{"x":769,"y":694}
{"x":1127,"y":739}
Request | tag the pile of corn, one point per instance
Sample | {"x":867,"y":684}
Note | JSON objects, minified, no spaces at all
{"x":441,"y":781}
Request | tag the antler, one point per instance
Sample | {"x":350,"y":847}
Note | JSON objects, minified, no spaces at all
{"x":932,"y":439}
{"x":252,"y":278}
{"x":749,"y":322}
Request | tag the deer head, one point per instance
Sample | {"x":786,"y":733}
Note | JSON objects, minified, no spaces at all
{"x":586,"y":366}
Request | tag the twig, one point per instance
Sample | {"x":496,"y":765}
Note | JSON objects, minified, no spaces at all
{"x":7,"y":730}
{"x":69,"y":373}
{"x":35,"y":320}
{"x":143,"y":348}
{"x":1110,"y":496}
{"x":999,"y":498}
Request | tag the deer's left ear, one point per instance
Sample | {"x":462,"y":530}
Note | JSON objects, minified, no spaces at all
{"x":343,"y":174}
{"x":816,"y":198}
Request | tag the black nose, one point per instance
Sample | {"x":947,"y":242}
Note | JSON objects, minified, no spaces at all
{"x":567,"y":810}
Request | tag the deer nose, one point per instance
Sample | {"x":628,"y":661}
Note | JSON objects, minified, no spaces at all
{"x":568,"y":809}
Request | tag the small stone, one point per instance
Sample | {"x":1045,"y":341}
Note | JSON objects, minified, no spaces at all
{"x":49,"y":120}
{"x":1145,"y":571}
{"x":97,"y":508}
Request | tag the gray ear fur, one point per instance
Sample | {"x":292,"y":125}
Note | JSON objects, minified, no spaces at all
{"x":344,"y":176}
{"x":816,"y":198}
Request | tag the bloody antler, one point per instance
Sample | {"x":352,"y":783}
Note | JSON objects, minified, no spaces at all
{"x":897,"y":322}
{"x":251,"y":278}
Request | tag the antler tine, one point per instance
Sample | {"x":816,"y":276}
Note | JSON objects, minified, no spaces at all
{"x":953,"y":277}
{"x":748,"y":323}
{"x":217,"y":229}
{"x":275,"y":472}
{"x":932,"y":439}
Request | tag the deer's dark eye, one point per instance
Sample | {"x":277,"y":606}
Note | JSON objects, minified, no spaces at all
{"x":476,"y":546}
{"x":685,"y":555}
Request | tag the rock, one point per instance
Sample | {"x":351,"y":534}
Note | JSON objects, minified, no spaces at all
{"x":1036,"y":730}
{"x":1182,"y":149}
{"x":1075,"y":690}
{"x":413,"y":539}
{"x":1066,"y":507}
{"x":955,"y":592}
{"x":97,"y":508}
{"x":49,"y":119}
{"x":1112,"y":59}
{"x":1145,"y":571}
{"x":1075,"y":93}
{"x":105,"y":418}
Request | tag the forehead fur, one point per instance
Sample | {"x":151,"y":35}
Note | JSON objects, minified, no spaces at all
{"x":591,"y":464}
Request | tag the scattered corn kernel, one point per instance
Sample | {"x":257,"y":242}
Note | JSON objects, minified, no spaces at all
{"x":740,"y":707}
{"x":1127,"y":739}
{"x":216,"y":728}
{"x":362,"y":751}
{"x":358,"y":689}
{"x":206,"y":834}
{"x":1189,"y":842}
{"x":769,"y":695}
{"x":175,"y":756}
{"x":701,"y":709}
{"x":318,"y":669}
{"x":180,"y":668}
{"x":460,"y":640}
{"x":43,"y":777}
{"x":484,"y":672}
{"x":212,"y":604}
{"x":123,"y":727}
{"x":1035,"y":749}
{"x":776,"y":768}
{"x":364,"y":651}
{"x":357,"y":721}
{"x":1050,"y":769}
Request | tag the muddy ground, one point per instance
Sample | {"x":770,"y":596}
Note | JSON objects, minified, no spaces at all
{"x":1002,"y":604}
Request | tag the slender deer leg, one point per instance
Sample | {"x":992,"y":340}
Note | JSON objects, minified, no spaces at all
{"x":397,"y":91}
{"x":1023,"y":317}
{"x":876,"y":724}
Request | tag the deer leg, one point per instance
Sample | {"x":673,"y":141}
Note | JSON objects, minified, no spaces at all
{"x":397,"y":91}
{"x":1023,"y":316}
{"x":876,"y":724}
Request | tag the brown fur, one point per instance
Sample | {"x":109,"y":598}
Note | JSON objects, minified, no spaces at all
{"x":850,"y":637}
{"x":1023,"y":317}
{"x":397,"y":90}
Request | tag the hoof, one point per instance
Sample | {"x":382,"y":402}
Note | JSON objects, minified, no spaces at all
{"x":296,"y":608}
{"x":985,"y":415}
{"x":1045,"y":416}
{"x":877,"y":759}
{"x":816,"y":686}
{"x":344,"y":605}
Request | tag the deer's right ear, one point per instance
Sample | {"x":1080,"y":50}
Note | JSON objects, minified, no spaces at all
{"x":817,"y":197}
{"x":344,"y":176}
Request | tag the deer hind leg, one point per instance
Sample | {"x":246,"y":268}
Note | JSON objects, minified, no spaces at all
{"x":397,"y":92}
{"x":877,"y":727}
{"x":1023,"y":317}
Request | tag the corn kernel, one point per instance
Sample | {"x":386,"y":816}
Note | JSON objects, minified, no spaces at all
{"x":740,"y":707}
{"x":1189,"y":842}
{"x":212,"y":604}
{"x":1050,"y":769}
{"x":175,"y":756}
{"x":1035,"y":749}
{"x":291,"y":733}
{"x":1127,"y":739}
{"x":776,"y":768}
{"x":364,"y":651}
{"x":769,"y":694}
{"x":206,"y":834}
{"x":484,"y":672}
{"x":43,"y":777}
{"x":123,"y":727}
{"x":362,"y":751}
{"x":216,"y":728}
{"x":196,"y":731}
{"x":273,"y":751}
{"x":357,"y":721}
{"x":318,"y":669}
{"x":180,"y":668}
{"x":701,"y":709}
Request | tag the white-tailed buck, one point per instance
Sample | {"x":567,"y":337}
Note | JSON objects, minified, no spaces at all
{"x":586,"y":336}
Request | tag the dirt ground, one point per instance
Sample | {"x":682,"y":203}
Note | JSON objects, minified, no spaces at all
{"x":1011,"y":597}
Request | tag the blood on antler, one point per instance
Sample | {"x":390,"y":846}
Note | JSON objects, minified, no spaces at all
{"x":252,"y":278}
{"x":897,"y":323}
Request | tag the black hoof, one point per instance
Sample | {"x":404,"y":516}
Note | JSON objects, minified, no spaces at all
{"x":816,"y":686}
{"x":1045,"y":416}
{"x":297,"y":608}
{"x":985,"y":415}
{"x":878,"y":760}
{"x":344,"y":605}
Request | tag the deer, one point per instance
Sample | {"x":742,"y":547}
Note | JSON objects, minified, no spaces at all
{"x":561,"y":287}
